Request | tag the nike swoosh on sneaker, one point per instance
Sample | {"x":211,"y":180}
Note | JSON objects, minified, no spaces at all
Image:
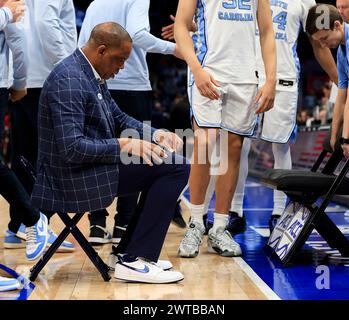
{"x":144,"y":270}
{"x":41,"y":227}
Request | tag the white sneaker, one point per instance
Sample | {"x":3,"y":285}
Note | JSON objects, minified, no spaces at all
{"x":7,"y":284}
{"x":189,"y":246}
{"x":163,"y":264}
{"x":37,"y":237}
{"x":221,"y":242}
{"x":140,"y":270}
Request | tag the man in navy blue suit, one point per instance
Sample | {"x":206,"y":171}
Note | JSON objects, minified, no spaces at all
{"x":81,"y":163}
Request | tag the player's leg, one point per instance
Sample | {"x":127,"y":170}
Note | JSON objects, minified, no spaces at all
{"x":237,"y":221}
{"x":282,"y":160}
{"x":278,"y":127}
{"x":238,"y":120}
{"x":206,"y":116}
{"x":219,"y":239}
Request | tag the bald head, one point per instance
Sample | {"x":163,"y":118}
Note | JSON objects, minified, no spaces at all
{"x":109,"y":34}
{"x":108,"y":49}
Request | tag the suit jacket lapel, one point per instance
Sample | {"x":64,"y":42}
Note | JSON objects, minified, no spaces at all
{"x":85,"y":66}
{"x":105,"y":108}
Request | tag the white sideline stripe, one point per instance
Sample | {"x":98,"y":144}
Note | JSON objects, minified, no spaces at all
{"x":253,"y":185}
{"x":336,"y":209}
{"x":314,"y":242}
{"x":264,"y":232}
{"x":260,"y":284}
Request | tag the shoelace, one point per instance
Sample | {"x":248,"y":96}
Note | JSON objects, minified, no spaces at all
{"x":190,"y":234}
{"x":224,"y":238}
{"x":31,"y":235}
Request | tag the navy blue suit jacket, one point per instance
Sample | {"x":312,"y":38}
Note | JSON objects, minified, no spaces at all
{"x":78,"y":156}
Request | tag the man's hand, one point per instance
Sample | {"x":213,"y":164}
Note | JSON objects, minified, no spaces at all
{"x":17,"y":95}
{"x":345,"y":148}
{"x":168,"y":31}
{"x":168,"y":140}
{"x":17,"y":8}
{"x":206,"y":84}
{"x":265,"y":97}
{"x":146,"y":150}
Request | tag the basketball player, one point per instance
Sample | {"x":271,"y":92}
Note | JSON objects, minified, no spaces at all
{"x":278,"y":125}
{"x":224,"y":100}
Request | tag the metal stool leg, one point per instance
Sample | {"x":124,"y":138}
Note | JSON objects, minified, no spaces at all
{"x":90,"y":252}
{"x":48,"y":254}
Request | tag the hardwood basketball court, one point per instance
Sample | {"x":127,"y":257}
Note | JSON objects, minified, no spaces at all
{"x":72,"y":275}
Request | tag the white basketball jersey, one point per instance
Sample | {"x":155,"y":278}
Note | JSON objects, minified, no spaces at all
{"x":225,"y":39}
{"x":289,"y":16}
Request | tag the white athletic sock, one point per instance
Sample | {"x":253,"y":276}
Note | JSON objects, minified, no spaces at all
{"x":220,"y":220}
{"x":238,"y":199}
{"x":197,"y":212}
{"x":282,"y":159}
{"x":209,"y":193}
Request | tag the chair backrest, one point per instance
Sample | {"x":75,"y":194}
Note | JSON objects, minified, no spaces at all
{"x":336,"y":157}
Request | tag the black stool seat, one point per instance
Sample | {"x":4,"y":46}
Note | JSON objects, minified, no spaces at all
{"x":303,"y":181}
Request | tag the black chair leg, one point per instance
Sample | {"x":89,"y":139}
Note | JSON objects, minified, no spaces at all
{"x":333,"y":236}
{"x":84,"y":244}
{"x":71,"y":228}
{"x":48,"y":254}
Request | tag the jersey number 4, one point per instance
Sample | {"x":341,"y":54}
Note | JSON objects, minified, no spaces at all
{"x":280,"y":20}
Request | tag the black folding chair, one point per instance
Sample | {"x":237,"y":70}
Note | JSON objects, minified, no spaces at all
{"x":70,"y":227}
{"x":309,"y":192}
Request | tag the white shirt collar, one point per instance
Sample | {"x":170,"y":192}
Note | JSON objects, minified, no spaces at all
{"x":98,"y":77}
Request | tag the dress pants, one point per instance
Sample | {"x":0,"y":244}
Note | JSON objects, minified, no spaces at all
{"x":3,"y":108}
{"x":24,"y":135}
{"x":161,"y":186}
{"x":24,"y":139}
{"x":137,"y":104}
{"x":21,"y":210}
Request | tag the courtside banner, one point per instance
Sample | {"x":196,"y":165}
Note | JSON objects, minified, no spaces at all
{"x":289,"y":230}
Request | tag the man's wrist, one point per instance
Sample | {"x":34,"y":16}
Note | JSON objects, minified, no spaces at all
{"x":271,"y":80}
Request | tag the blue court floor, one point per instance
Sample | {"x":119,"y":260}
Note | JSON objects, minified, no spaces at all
{"x":309,"y":276}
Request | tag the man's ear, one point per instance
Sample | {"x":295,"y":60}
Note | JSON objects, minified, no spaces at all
{"x":337,"y":25}
{"x":102,"y":49}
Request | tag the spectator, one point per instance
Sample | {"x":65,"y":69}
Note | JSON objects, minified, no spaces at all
{"x":50,"y":39}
